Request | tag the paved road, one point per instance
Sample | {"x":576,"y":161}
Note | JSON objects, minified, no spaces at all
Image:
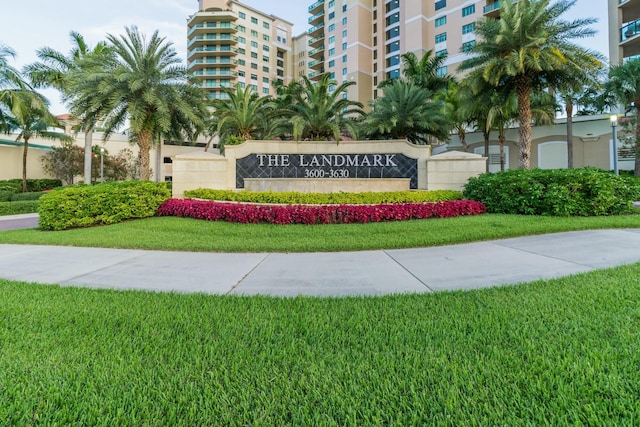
{"x":468,"y":266}
{"x":14,"y":222}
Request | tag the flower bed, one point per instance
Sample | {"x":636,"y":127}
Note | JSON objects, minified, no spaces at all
{"x":316,"y":214}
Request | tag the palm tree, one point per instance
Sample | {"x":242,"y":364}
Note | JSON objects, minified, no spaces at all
{"x":528,"y":42}
{"x":424,"y":72}
{"x":407,"y":111}
{"x":143,"y":83}
{"x":459,"y":109}
{"x":321,"y":111}
{"x":54,"y":71}
{"x":11,"y":83}
{"x":624,"y":82}
{"x":30,"y":117}
{"x":242,"y":115}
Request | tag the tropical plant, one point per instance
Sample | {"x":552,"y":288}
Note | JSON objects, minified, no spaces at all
{"x":31,"y":118}
{"x":242,"y":116}
{"x":624,"y":82}
{"x":320,"y":110}
{"x":54,"y":70}
{"x":424,"y":72}
{"x":142,"y":83}
{"x":459,"y":108}
{"x":526,"y":44}
{"x":407,"y":111}
{"x":11,"y":83}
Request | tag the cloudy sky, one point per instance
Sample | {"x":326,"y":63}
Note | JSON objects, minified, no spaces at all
{"x":30,"y":25}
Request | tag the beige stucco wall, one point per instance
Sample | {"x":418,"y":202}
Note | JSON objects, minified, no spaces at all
{"x":452,"y":170}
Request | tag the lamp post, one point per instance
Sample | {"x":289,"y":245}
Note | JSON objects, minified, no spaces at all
{"x":102,"y":165}
{"x":614,"y":124}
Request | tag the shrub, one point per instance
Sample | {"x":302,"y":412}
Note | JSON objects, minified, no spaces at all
{"x":27,"y":196}
{"x":22,"y":207}
{"x":6,"y":195}
{"x":84,"y":205}
{"x":560,"y":192}
{"x":14,"y":187}
{"x":322,"y":214}
{"x":369,"y":198}
{"x":33,"y":185}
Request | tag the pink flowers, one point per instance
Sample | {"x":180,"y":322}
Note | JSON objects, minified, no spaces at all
{"x":316,"y":214}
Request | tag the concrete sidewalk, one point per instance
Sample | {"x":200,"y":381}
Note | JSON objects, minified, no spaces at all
{"x":467,"y":266}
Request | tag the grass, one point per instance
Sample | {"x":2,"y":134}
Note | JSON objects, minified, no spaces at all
{"x":556,"y":352}
{"x":183,"y":234}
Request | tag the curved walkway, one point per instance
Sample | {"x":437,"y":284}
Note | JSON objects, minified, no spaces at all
{"x":466,"y":266}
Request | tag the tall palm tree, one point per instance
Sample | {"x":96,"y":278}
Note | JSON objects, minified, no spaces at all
{"x":528,"y":42}
{"x":242,"y":115}
{"x":321,"y":111}
{"x":424,"y":72}
{"x":459,"y":109}
{"x":144,"y":84}
{"x":31,"y":118}
{"x":624,"y":82}
{"x":54,"y":70}
{"x":407,"y":111}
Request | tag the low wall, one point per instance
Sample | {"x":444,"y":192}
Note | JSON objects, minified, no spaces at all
{"x":324,"y":167}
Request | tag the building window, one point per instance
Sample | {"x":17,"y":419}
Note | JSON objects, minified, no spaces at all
{"x":242,"y":15}
{"x":344,"y":71}
{"x":265,"y":25}
{"x":331,"y":27}
{"x":441,"y":4}
{"x":332,"y":40}
{"x":242,"y":62}
{"x":344,"y":33}
{"x":254,"y":77}
{"x":441,"y":21}
{"x":442,"y":37}
{"x":265,"y":58}
{"x":332,"y":63}
{"x":265,"y":69}
{"x":241,"y":51}
{"x":393,"y":47}
{"x":254,"y":66}
{"x":466,"y":47}
{"x":265,"y":90}
{"x":265,"y":48}
{"x":241,"y":39}
{"x":344,"y":58}
{"x":469,"y":10}
{"x":331,"y":4}
{"x":254,"y":20}
{"x":442,"y":71}
{"x":332,"y":51}
{"x":254,"y":44}
{"x":393,"y":61}
{"x":344,"y":21}
{"x":344,"y":46}
{"x":393,"y":74}
{"x":332,"y":15}
{"x":242,"y":29}
{"x":392,"y":19}
{"x":254,"y":33}
{"x":442,"y":52}
{"x":393,"y":32}
{"x":265,"y":37}
{"x":469,"y":28}
{"x":392,"y":5}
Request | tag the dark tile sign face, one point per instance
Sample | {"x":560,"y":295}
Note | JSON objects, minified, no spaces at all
{"x":322,"y":166}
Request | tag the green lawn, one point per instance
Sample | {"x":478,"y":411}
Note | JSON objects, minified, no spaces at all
{"x":183,"y":234}
{"x":557,"y":352}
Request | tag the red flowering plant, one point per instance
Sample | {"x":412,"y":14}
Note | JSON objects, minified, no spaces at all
{"x":316,"y":214}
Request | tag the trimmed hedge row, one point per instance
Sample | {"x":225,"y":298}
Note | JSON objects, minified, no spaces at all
{"x":33,"y":185}
{"x":27,"y":196}
{"x":365,"y":198}
{"x":110,"y":203}
{"x":15,"y":208}
{"x":559,"y":192}
{"x":321,"y":214}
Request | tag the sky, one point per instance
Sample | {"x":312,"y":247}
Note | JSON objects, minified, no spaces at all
{"x":30,"y":25}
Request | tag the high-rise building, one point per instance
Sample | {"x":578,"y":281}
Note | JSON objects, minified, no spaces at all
{"x":229,"y":42}
{"x":624,"y":30}
{"x":363,"y":40}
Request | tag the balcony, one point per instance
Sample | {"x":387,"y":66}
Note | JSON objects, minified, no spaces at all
{"x":492,"y":9}
{"x":314,"y":8}
{"x":207,"y":51}
{"x":317,"y":52}
{"x":315,"y":75}
{"x":316,"y":41}
{"x":629,"y":40}
{"x":212,"y":16}
{"x":630,"y":10}
{"x":316,"y":30}
{"x":316,"y":65}
{"x":316,"y":19}
{"x":207,"y":38}
{"x":212,"y":27}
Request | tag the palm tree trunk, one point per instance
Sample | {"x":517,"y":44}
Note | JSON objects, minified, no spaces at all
{"x":159,"y":160}
{"x":636,"y":169}
{"x":88,"y":142}
{"x":144,"y":144}
{"x":463,"y":139}
{"x":501,"y":139}
{"x":24,"y":164}
{"x":569,"y":109}
{"x":486,"y":134}
{"x":523,"y":90}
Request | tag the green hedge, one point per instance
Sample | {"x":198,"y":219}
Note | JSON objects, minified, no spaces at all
{"x":6,"y":195}
{"x":33,"y":185}
{"x":86,"y":205}
{"x":325,"y":198}
{"x":559,"y":192}
{"x":15,"y":208}
{"x":27,"y":196}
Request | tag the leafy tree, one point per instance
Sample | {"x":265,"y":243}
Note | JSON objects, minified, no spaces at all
{"x":624,"y":82}
{"x":142,"y":83}
{"x":54,"y":70}
{"x":407,"y":111}
{"x":11,"y":84}
{"x":64,"y":162}
{"x":320,"y":111}
{"x":526,"y":44}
